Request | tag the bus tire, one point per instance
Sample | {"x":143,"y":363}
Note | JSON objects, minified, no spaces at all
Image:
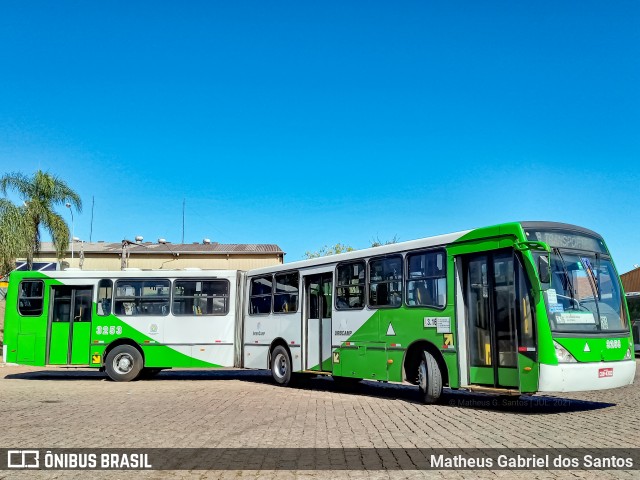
{"x":429,"y":379}
{"x":281,"y":366}
{"x":123,"y":363}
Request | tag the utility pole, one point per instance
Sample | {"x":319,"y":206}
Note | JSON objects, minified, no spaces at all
{"x":183,"y":201}
{"x":93,"y":202}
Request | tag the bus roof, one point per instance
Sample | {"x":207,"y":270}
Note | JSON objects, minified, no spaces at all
{"x":436,"y":241}
{"x":428,"y":242}
{"x":129,"y":273}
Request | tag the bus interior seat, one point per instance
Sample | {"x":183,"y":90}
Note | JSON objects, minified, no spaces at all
{"x":421,"y":295}
{"x":382,"y":294}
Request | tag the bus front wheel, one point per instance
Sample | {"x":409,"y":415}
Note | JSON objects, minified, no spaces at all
{"x":429,"y":379}
{"x":123,"y":363}
{"x":281,"y":365}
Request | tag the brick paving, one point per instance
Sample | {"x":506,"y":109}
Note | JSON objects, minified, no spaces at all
{"x":58,"y":408}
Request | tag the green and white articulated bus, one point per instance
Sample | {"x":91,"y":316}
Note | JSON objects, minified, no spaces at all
{"x":509,"y":309}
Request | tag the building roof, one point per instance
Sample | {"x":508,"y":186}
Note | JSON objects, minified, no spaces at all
{"x":149,"y":248}
{"x":631,"y":280}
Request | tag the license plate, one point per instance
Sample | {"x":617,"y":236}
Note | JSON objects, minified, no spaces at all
{"x":605,"y":372}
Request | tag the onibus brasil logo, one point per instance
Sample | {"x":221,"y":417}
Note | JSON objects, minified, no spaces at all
{"x":32,"y":459}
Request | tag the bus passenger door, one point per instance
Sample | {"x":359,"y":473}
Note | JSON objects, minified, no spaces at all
{"x":491,"y":319}
{"x":318,"y":292}
{"x":69,"y":332}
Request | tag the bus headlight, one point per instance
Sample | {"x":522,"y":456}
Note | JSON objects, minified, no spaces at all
{"x":563,"y":354}
{"x":628,"y":355}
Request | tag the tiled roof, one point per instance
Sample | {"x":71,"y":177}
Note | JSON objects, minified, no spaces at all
{"x":149,"y":248}
{"x":631,"y":280}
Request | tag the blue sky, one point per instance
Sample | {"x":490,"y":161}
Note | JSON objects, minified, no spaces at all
{"x":311,"y":123}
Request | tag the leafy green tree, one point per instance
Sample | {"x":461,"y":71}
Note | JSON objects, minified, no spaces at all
{"x":326,"y":250}
{"x":40,"y":194}
{"x":342,"y":248}
{"x":376,"y":242}
{"x":13,"y":235}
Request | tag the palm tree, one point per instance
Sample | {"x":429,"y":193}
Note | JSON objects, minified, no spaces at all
{"x":41,"y":193}
{"x":13,"y":235}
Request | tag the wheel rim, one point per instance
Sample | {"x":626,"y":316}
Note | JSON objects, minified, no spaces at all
{"x":123,"y":363}
{"x":280,"y":365}
{"x":422,"y":376}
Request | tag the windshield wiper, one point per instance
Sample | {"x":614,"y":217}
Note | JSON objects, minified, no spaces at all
{"x":592,"y":277}
{"x":566,"y":275}
{"x":594,"y":287}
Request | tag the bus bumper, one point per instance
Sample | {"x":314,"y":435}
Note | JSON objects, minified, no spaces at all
{"x":577,"y":377}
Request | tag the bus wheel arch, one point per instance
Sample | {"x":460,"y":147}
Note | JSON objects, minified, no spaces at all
{"x":123,"y":360}
{"x":280,"y":362}
{"x":415,"y":356}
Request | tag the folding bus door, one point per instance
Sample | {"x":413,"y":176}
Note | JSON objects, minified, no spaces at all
{"x":318,"y":289}
{"x":69,"y":328}
{"x":491,"y":319}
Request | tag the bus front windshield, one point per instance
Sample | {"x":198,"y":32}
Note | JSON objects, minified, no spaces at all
{"x":585,"y":294}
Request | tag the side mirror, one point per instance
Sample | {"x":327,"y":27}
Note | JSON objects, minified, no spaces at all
{"x":544,"y":271}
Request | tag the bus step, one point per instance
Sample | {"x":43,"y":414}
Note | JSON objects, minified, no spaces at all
{"x":493,"y":390}
{"x":70,"y":366}
{"x":315,"y":372}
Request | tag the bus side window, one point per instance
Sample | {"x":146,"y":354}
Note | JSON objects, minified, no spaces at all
{"x":142,"y":296}
{"x":385,"y":281}
{"x":200,"y":297}
{"x":260,"y":296}
{"x":350,"y":286}
{"x":30,"y":298}
{"x":426,"y":279}
{"x":105,"y":292}
{"x":285,"y":298}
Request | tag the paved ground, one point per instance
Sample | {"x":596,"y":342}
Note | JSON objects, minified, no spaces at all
{"x":56,"y":408}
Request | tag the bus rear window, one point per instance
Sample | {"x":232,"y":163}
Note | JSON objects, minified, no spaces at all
{"x":30,"y":298}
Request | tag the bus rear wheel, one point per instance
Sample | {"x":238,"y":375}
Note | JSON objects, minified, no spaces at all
{"x":281,"y":366}
{"x":429,"y":379}
{"x":123,"y":363}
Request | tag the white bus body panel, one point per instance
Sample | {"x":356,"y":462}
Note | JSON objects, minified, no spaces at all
{"x":261,"y":330}
{"x":256,"y":356}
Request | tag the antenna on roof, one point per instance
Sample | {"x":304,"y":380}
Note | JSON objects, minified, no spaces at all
{"x":93,"y":203}
{"x":175,"y":255}
{"x":183,"y":201}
